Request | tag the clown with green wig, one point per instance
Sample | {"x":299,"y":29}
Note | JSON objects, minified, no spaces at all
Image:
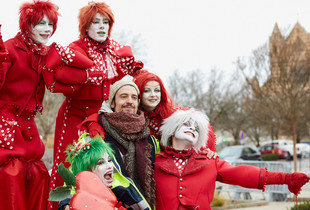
{"x":99,"y":182}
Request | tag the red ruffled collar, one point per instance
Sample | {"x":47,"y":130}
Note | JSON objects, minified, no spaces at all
{"x":97,"y":45}
{"x":41,"y":49}
{"x":183,"y":154}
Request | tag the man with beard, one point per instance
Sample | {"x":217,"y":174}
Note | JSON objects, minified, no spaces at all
{"x":126,"y":130}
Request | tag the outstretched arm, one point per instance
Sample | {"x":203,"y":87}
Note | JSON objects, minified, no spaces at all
{"x":294,"y":181}
{"x":254,"y":177}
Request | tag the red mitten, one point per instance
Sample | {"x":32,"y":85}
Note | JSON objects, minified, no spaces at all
{"x":53,"y":59}
{"x":295,"y":181}
{"x":59,"y":55}
{"x":124,"y":51}
{"x":120,"y":206}
{"x":91,"y":193}
{"x":95,"y":129}
{"x":137,"y":66}
{"x":70,"y":75}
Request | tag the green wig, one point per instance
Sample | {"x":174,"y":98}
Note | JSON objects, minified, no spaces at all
{"x":84,"y":154}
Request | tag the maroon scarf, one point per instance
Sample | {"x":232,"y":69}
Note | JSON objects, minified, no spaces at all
{"x":131,"y":132}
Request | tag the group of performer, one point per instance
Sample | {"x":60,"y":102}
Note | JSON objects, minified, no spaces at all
{"x":143,"y":150}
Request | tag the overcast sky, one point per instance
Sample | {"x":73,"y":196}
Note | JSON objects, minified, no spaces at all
{"x":180,"y":34}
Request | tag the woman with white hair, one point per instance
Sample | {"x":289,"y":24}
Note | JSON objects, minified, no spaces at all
{"x":186,"y":179}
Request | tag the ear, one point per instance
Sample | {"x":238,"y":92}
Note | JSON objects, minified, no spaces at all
{"x":113,"y":104}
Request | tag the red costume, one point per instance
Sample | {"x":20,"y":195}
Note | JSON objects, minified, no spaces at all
{"x":194,"y":188}
{"x":186,"y":180}
{"x":84,"y":72}
{"x":23,"y":176}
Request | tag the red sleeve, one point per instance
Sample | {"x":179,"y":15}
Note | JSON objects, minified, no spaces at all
{"x":242,"y":175}
{"x":65,"y":69}
{"x":126,"y":63}
{"x":84,"y":124}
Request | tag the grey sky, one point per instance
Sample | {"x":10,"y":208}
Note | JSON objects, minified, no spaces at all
{"x":180,"y":34}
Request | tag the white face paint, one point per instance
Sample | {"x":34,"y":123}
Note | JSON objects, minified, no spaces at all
{"x":99,"y":28}
{"x":151,"y":96}
{"x":42,"y":31}
{"x":104,"y":170}
{"x":188,"y":131}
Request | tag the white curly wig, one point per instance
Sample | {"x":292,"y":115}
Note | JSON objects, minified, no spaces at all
{"x":171,"y":123}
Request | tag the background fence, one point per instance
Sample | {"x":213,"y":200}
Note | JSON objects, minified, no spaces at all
{"x":272,"y":192}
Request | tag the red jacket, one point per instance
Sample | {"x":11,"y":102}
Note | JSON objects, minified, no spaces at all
{"x":21,"y":88}
{"x":20,"y":76}
{"x":194,"y":189}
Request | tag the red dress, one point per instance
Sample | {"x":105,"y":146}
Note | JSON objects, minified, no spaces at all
{"x":23,"y":176}
{"x":194,"y":187}
{"x":85,"y":95}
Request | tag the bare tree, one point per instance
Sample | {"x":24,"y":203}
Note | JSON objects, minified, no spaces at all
{"x":206,"y":92}
{"x":283,"y":98}
{"x":46,"y":121}
{"x":135,"y":41}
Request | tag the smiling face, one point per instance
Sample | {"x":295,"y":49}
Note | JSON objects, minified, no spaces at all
{"x":99,"y":28}
{"x":188,"y":131}
{"x":42,"y":31}
{"x":104,"y":170}
{"x":151,"y":96}
{"x":126,"y":100}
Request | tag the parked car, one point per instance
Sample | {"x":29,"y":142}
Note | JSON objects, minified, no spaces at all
{"x":304,"y":148}
{"x":240,"y":152}
{"x":269,"y":149}
{"x":286,"y":144}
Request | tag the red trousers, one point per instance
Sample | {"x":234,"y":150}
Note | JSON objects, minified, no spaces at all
{"x":24,"y":185}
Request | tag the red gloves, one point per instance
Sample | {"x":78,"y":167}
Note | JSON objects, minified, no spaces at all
{"x":95,"y":129}
{"x":295,"y":181}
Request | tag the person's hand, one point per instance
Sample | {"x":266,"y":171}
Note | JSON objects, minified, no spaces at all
{"x":67,"y":207}
{"x":295,"y":181}
{"x":95,"y":129}
{"x":209,"y":153}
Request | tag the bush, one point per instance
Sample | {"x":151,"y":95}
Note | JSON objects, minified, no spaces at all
{"x":302,"y":206}
{"x":270,"y":157}
{"x":217,"y":200}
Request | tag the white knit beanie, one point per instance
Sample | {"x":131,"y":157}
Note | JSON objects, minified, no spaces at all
{"x":117,"y":85}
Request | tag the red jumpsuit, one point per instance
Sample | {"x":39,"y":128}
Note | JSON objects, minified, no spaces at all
{"x":84,"y":90}
{"x":23,"y":176}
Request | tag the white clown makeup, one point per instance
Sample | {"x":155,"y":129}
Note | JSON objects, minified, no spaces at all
{"x":42,"y":31}
{"x":151,"y":96}
{"x":99,"y":28}
{"x":104,"y":170}
{"x":188,"y":131}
